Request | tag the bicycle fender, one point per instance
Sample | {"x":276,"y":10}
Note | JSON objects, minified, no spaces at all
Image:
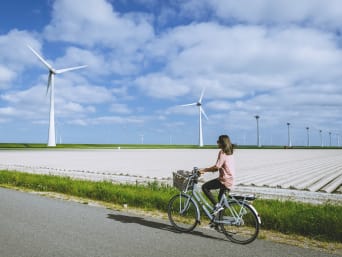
{"x":255,"y":211}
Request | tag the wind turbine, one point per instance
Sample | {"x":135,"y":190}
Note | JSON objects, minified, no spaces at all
{"x":51,"y":87}
{"x":201,"y":111}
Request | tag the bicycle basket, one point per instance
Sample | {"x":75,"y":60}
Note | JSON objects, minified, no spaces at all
{"x":180,"y":179}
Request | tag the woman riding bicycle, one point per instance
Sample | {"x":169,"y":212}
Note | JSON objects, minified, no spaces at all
{"x":225,"y":166}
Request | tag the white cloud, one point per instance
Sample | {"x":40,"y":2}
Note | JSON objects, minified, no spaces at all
{"x":120,"y":108}
{"x":96,"y":63}
{"x":14,"y":51}
{"x":6,"y":75}
{"x":70,"y":101}
{"x":81,"y":92}
{"x":324,"y":14}
{"x":107,"y":120}
{"x":115,"y":39}
{"x":279,"y":59}
{"x":239,"y":61}
{"x":14,"y":55}
{"x":161,"y":86}
{"x":116,"y":119}
{"x":34,"y":97}
{"x":7,"y":111}
{"x":72,"y":109}
{"x":94,"y":22}
{"x":219,"y":105}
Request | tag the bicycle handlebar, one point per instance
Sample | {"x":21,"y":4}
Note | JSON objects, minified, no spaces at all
{"x":195,"y":173}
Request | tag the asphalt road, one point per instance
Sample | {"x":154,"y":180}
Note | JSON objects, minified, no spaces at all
{"x":32,"y":225}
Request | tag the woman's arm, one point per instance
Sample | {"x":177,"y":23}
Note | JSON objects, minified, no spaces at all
{"x":209,"y":169}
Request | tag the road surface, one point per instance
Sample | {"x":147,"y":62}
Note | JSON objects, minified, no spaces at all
{"x":33,"y":225}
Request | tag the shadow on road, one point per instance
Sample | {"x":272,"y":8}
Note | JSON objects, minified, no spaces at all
{"x":155,"y":224}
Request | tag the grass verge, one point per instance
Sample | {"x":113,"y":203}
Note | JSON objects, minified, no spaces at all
{"x":321,"y":222}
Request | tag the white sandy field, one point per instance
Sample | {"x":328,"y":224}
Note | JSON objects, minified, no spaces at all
{"x":308,"y":175}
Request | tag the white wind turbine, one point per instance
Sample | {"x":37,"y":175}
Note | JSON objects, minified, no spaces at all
{"x":51,"y":87}
{"x":201,"y":111}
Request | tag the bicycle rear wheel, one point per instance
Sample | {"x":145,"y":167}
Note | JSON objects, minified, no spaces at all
{"x":239,"y":223}
{"x":183,"y":213}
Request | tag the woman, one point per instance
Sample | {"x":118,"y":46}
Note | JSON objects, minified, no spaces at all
{"x":225,"y":166}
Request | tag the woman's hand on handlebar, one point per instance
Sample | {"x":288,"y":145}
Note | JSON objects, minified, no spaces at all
{"x":201,"y":171}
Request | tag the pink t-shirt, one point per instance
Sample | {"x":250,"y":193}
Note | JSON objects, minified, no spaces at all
{"x":226,"y":166}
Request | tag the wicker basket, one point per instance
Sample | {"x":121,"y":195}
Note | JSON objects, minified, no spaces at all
{"x":180,"y":179}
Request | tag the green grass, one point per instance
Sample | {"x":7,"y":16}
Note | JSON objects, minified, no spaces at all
{"x":150,"y":196}
{"x":321,"y":222}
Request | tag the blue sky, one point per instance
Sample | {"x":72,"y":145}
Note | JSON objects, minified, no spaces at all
{"x":280,"y":60}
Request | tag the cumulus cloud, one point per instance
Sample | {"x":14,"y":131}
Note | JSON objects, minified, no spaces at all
{"x":13,"y":48}
{"x":315,"y":12}
{"x":71,"y":100}
{"x":107,"y":120}
{"x":97,"y":25}
{"x":14,"y":55}
{"x":6,"y":75}
{"x":161,"y":86}
{"x":237,"y":61}
{"x":120,"y":108}
{"x":95,"y":22}
{"x":81,"y":91}
{"x":280,"y":59}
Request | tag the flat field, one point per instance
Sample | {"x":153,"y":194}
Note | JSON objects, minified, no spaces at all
{"x":289,"y":171}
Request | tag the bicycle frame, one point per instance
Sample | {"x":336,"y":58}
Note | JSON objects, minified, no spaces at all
{"x":200,"y":200}
{"x":196,"y":194}
{"x":238,"y":221}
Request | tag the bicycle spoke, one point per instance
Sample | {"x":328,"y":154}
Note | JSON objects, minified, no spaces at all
{"x":182,"y":213}
{"x":239,"y":223}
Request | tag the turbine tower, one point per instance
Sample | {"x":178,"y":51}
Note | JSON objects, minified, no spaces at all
{"x":289,"y":143}
{"x":51,"y":87}
{"x":201,"y":111}
{"x":258,"y":137}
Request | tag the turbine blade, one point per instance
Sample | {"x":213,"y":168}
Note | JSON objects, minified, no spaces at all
{"x":70,"y":69}
{"x":202,"y":93}
{"x":41,"y":59}
{"x":49,"y":83}
{"x":202,"y":111}
{"x":188,"y":104}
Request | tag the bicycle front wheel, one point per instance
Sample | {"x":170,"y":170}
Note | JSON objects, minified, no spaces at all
{"x":239,"y":223}
{"x":183,"y":213}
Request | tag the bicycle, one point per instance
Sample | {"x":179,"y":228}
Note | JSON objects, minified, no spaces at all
{"x":238,"y":221}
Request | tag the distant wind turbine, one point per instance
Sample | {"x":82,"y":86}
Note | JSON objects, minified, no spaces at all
{"x":51,"y":87}
{"x":201,"y":111}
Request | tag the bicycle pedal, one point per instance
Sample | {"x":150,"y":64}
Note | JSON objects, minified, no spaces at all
{"x":215,"y":226}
